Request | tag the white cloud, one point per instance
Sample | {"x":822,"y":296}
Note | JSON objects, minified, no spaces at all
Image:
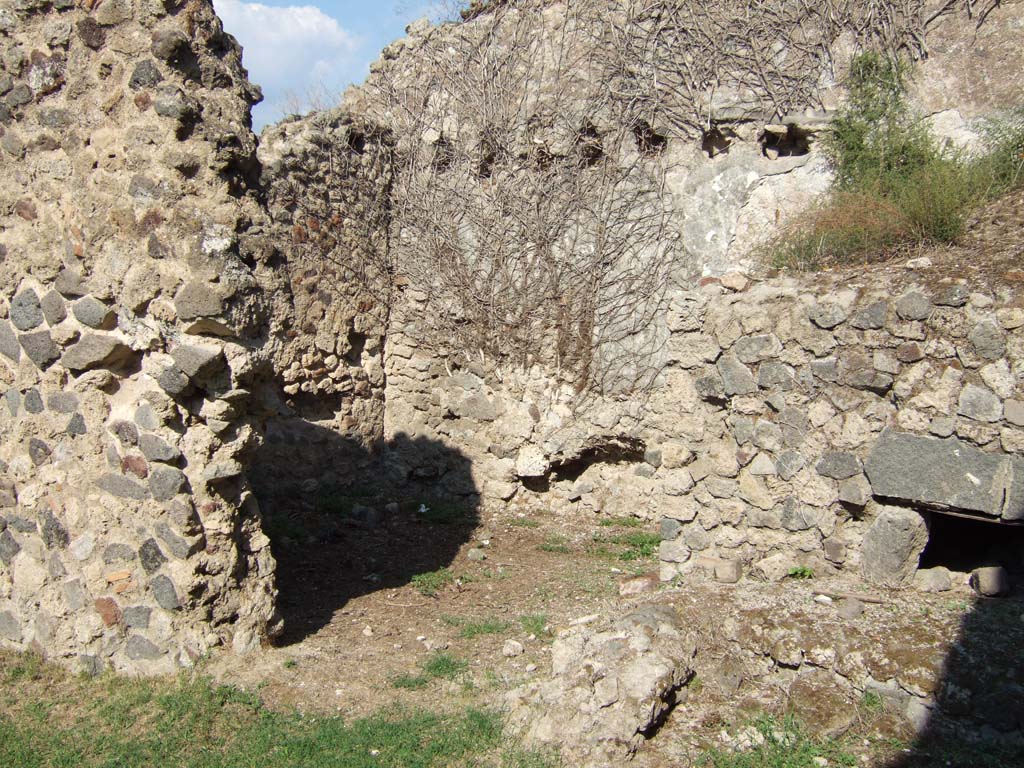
{"x":295,"y":49}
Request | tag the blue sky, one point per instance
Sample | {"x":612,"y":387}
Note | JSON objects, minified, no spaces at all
{"x":297,"y":49}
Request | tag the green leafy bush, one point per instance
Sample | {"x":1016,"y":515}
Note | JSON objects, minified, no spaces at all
{"x":894,"y":185}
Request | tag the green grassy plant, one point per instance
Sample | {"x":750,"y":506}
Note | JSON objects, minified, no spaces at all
{"x":432,"y":582}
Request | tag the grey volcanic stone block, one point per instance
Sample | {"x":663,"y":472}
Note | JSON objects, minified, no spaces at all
{"x":62,"y":402}
{"x":913,"y":306}
{"x":13,"y":399}
{"x":76,"y":425}
{"x":775,"y":374}
{"x":173,"y":381}
{"x":988,"y":340}
{"x":157,"y":449}
{"x":53,"y":308}
{"x":164,"y":593}
{"x":1014,"y":412}
{"x":953,"y":296}
{"x":872,"y":317}
{"x":137,"y":616}
{"x":827,"y":315}
{"x":95,"y":351}
{"x":198,"y":362}
{"x":116,"y":552}
{"x":151,"y":556}
{"x":121,"y":486}
{"x":69,"y":283}
{"x":40,"y":348}
{"x":33,"y":401}
{"x":979,"y":404}
{"x":9,"y":547}
{"x":139,"y":648}
{"x":175,"y":544}
{"x":26,"y":311}
{"x":736,"y":377}
{"x":754,"y":349}
{"x":197,"y":299}
{"x":948,"y":474}
{"x":94,"y":313}
{"x":893,"y":545}
{"x":838,"y":466}
{"x":10,"y":629}
{"x":166,"y":482}
{"x":145,"y":75}
{"x":9,"y":346}
{"x":55,"y":535}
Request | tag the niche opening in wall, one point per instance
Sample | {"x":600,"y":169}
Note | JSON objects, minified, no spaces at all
{"x":965,"y":543}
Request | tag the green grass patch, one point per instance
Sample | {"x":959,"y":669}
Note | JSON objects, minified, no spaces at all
{"x":523,"y":522}
{"x":473,"y":628}
{"x":432,"y":582}
{"x":779,"y":744}
{"x":49,"y":719}
{"x":444,"y":513}
{"x":620,"y":522}
{"x":800,"y":572}
{"x":871,"y":701}
{"x":444,"y":665}
{"x":555,"y":543}
{"x":638,"y":545}
{"x":535,"y":624}
{"x":626,"y":547}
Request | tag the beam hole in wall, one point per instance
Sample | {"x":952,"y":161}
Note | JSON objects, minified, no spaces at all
{"x":444,"y":155}
{"x":488,"y":157}
{"x":716,"y":141}
{"x":784,"y":141}
{"x":589,"y":145}
{"x":648,"y":141}
{"x":965,"y":543}
{"x":356,"y":142}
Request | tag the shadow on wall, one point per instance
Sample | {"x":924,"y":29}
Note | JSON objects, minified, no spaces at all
{"x":345,"y":520}
{"x":979,"y":720}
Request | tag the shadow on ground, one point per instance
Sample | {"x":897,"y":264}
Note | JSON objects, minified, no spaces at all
{"x":345,"y":520}
{"x":979,"y":718}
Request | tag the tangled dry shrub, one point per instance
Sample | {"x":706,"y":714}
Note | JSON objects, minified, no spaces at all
{"x":527,"y":219}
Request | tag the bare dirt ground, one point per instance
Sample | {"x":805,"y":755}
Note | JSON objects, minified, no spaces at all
{"x":358,"y":638}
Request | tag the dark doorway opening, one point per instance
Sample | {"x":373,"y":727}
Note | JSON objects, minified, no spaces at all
{"x":965,"y":543}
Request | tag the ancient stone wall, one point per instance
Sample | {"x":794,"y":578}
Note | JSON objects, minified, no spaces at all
{"x":790,"y":419}
{"x":132,"y":328}
{"x":167,"y":297}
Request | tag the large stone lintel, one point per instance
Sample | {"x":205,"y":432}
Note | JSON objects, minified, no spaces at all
{"x":946,"y":474}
